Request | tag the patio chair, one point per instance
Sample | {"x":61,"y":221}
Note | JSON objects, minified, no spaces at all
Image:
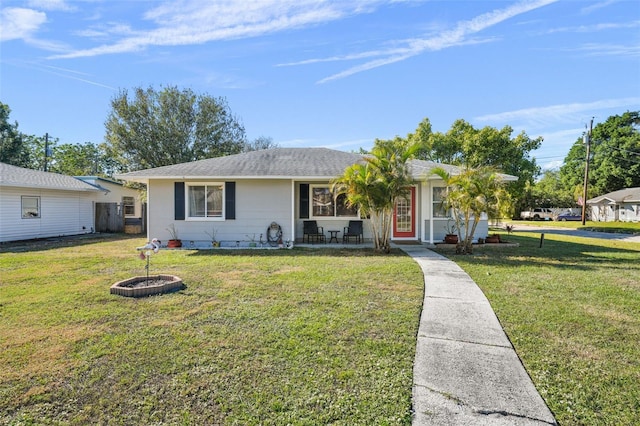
{"x":312,"y":232}
{"x":354,"y":230}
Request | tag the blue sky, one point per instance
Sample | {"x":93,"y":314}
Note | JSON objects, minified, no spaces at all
{"x":337,"y":74}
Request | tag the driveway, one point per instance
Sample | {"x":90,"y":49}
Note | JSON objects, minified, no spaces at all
{"x":523,"y":227}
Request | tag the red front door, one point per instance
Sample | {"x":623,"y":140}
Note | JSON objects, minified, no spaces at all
{"x":404,"y":216}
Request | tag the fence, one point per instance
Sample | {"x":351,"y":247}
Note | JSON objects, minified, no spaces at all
{"x":109,"y":217}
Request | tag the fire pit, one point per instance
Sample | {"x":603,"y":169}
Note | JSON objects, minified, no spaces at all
{"x":147,"y":286}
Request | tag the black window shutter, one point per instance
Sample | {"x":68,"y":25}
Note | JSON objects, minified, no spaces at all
{"x":178,"y":206}
{"x":304,"y":201}
{"x":230,"y":200}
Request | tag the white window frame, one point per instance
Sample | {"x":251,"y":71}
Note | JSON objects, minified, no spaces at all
{"x":29,"y":215}
{"x":334,"y":204}
{"x":132,"y":205}
{"x":204,"y":218}
{"x":439,"y":213}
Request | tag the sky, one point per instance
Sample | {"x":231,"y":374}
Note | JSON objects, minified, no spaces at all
{"x":323,"y":73}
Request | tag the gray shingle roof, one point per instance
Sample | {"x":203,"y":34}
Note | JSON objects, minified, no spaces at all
{"x":269,"y":163}
{"x":272,"y":163}
{"x":27,"y":178}
{"x":626,"y":195}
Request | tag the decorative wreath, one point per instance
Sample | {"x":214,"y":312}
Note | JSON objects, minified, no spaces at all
{"x":274,"y":234}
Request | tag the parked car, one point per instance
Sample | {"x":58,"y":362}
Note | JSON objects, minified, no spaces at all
{"x":537,"y":214}
{"x":563,"y":217}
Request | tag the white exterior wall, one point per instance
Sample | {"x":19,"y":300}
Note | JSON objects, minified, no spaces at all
{"x":115,"y":194}
{"x":61,"y":213}
{"x":258,"y":203}
{"x":434,"y":229}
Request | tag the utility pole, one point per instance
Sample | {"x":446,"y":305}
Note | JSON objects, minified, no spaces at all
{"x":587,"y":140}
{"x":46,"y":150}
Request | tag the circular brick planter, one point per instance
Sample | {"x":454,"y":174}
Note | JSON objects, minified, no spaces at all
{"x":139,"y":287}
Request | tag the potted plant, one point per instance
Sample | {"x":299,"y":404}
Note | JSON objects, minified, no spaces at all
{"x":174,"y":241}
{"x":212,"y":236}
{"x":451,"y":237}
{"x":492,"y":239}
{"x":252,"y":240}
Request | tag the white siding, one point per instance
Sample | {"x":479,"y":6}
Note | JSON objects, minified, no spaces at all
{"x":61,"y":213}
{"x":258,"y":203}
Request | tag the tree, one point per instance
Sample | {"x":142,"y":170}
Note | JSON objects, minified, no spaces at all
{"x":12,"y":145}
{"x":375,"y":185}
{"x":471,"y":193}
{"x":83,"y":160}
{"x":259,"y":144}
{"x":549,"y":192}
{"x":171,"y":126}
{"x":463,"y":145}
{"x":615,"y":157}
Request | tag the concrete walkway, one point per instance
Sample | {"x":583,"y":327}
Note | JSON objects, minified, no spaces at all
{"x":466,"y":371}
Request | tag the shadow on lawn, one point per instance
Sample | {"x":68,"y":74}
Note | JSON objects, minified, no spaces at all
{"x":65,"y":241}
{"x":556,"y":254}
{"x":299,"y":251}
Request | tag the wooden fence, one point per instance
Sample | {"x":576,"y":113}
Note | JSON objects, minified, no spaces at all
{"x":109,"y":217}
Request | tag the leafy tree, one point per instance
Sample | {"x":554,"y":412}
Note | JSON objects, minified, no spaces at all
{"x":83,"y":160}
{"x":471,"y":193}
{"x":12,"y":145}
{"x":549,"y":192}
{"x":260,"y":143}
{"x":376,"y":185}
{"x":171,"y":126}
{"x":615,"y":157}
{"x":464,"y":145}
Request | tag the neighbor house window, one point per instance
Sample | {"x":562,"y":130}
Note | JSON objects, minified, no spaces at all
{"x":325,"y":204}
{"x":129,"y":206}
{"x":30,"y":207}
{"x":205,"y":200}
{"x":439,"y":209}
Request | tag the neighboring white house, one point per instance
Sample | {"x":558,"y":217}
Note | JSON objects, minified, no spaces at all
{"x":241,"y":195}
{"x":116,"y":192}
{"x":622,"y":205}
{"x":36,"y":204}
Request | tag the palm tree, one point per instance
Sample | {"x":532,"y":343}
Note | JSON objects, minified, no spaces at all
{"x":375,"y":185}
{"x":471,"y":193}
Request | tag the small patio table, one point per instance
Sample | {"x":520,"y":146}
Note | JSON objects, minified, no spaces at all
{"x":334,"y":235}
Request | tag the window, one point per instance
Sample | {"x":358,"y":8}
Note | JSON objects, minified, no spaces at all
{"x":129,"y":206}
{"x":438,"y":202}
{"x":325,"y":204}
{"x":30,"y":207}
{"x":205,"y":200}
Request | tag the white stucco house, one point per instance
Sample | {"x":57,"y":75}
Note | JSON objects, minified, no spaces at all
{"x":622,"y":205}
{"x":36,"y":204}
{"x":242,"y":195}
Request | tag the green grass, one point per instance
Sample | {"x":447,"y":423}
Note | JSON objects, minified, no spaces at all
{"x":572,"y":311}
{"x":257,"y":337}
{"x":614,"y":227}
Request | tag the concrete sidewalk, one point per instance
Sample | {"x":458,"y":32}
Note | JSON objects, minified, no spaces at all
{"x":466,"y":371}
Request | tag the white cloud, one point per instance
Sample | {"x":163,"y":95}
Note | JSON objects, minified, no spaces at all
{"x":601,"y":49}
{"x":538,"y":117}
{"x":200,"y":21}
{"x":457,"y":36}
{"x":60,"y":5}
{"x":20,"y":23}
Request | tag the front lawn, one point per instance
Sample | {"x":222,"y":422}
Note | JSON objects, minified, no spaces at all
{"x":572,"y":311}
{"x":257,"y":337}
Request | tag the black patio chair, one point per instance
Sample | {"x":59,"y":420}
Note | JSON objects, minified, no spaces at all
{"x":312,"y":232}
{"x":354,"y":230}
